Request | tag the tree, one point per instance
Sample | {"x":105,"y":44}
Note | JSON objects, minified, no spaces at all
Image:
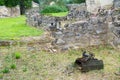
{"x":25,"y":4}
{"x":11,"y":3}
{"x":1,"y":2}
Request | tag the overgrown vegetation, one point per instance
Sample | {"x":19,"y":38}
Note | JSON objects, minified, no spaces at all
{"x":15,"y":28}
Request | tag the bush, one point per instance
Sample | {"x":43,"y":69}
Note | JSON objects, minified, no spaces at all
{"x":6,"y":70}
{"x":54,"y":9}
{"x":78,"y":1}
{"x":11,"y":3}
{"x":17,"y":55}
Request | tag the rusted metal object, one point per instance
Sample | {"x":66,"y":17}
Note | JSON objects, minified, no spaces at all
{"x":88,"y":62}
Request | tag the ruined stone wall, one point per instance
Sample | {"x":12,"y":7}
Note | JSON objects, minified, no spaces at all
{"x":76,"y":12}
{"x":81,"y":28}
{"x":9,"y":12}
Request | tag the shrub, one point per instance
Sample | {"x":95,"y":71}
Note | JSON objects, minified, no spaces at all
{"x":6,"y":70}
{"x":13,"y":66}
{"x":78,"y":1}
{"x":54,"y":9}
{"x":17,"y":55}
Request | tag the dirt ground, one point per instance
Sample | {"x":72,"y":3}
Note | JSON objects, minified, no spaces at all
{"x":37,"y":64}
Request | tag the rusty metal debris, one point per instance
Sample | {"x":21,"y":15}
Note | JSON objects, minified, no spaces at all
{"x":88,"y":62}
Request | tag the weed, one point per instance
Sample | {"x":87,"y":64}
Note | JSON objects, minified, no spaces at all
{"x":24,"y":69}
{"x":8,"y":58}
{"x":17,"y":55}
{"x":1,"y":75}
{"x":6,"y":70}
{"x":13,"y":66}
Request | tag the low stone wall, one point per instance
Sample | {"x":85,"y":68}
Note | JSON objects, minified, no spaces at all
{"x":34,"y":18}
{"x":9,"y":12}
{"x":76,"y":12}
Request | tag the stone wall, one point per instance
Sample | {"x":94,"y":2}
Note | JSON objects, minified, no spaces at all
{"x":9,"y":12}
{"x":76,"y":12}
{"x":117,"y":4}
{"x":81,"y":28}
{"x":34,"y":18}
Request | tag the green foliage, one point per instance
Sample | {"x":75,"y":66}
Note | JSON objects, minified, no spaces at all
{"x":78,"y":1}
{"x":11,"y":3}
{"x":17,"y":55}
{"x":27,"y":3}
{"x":54,"y":9}
{"x":13,"y":66}
{"x":6,"y":70}
{"x":68,"y":1}
{"x":1,"y":2}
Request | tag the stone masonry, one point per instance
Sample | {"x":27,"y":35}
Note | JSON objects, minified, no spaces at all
{"x":9,"y":12}
{"x":81,"y":28}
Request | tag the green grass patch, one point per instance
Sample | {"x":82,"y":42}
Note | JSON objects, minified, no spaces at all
{"x":60,"y":14}
{"x":14,"y":28}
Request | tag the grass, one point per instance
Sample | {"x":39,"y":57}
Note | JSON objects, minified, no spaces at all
{"x":61,"y":14}
{"x":15,"y":28}
{"x":41,"y":65}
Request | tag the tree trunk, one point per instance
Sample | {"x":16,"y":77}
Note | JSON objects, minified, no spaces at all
{"x":22,"y":7}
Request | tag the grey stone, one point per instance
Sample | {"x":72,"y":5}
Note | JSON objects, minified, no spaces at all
{"x":60,"y":42}
{"x":116,"y":3}
{"x":9,"y":12}
{"x":58,"y":35}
